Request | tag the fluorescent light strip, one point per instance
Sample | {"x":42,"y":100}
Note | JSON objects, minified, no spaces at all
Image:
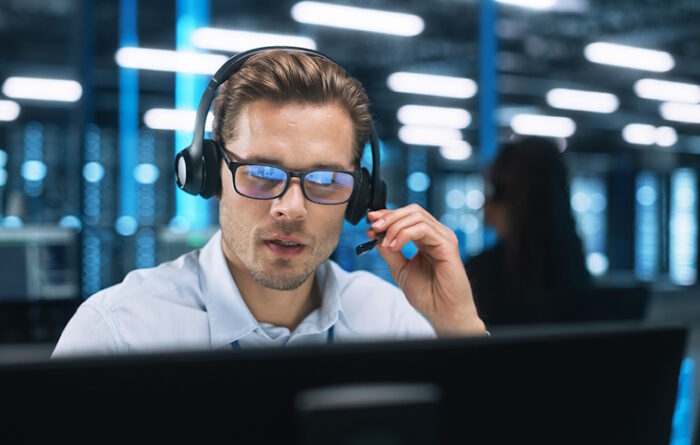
{"x":167,"y":60}
{"x":592,"y":101}
{"x":629,"y":57}
{"x":434,"y":116}
{"x":424,"y":135}
{"x":59,"y":90}
{"x":360,"y":19}
{"x":665,"y":136}
{"x":667,"y":91}
{"x":680,"y":112}
{"x":239,"y":41}
{"x":175,"y":120}
{"x":642,"y":134}
{"x":456,"y":150}
{"x":531,"y":4}
{"x":9,"y":110}
{"x":645,"y":134}
{"x":432,"y":85}
{"x":539,"y":125}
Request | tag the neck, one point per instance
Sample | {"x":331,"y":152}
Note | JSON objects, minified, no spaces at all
{"x":277,"y":307}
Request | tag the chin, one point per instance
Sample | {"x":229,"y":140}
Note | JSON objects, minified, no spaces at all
{"x":283,"y":283}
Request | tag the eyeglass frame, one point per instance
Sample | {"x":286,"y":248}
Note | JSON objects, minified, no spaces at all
{"x":234,"y":165}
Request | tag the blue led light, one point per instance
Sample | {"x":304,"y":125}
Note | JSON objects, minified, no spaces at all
{"x":12,"y":222}
{"x":418,"y":182}
{"x":475,"y":199}
{"x":128,"y":110}
{"x":33,"y":170}
{"x":647,"y":227}
{"x":450,"y":220}
{"x":646,"y":195}
{"x":455,"y":199}
{"x":683,"y":227}
{"x":70,"y":222}
{"x":91,"y":204}
{"x":126,"y":225}
{"x":33,"y":188}
{"x":591,"y":220}
{"x":580,"y":202}
{"x":469,"y":223}
{"x":597,"y":263}
{"x":145,"y":248}
{"x":3,"y":177}
{"x":3,"y":158}
{"x":91,"y":264}
{"x":146,"y":173}
{"x":93,"y":172}
{"x":597,"y":202}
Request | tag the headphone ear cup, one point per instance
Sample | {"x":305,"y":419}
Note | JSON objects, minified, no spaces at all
{"x":183,"y":171}
{"x":359,"y":200}
{"x":211,"y":161}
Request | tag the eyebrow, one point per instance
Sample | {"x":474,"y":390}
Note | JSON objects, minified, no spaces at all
{"x":271,"y":161}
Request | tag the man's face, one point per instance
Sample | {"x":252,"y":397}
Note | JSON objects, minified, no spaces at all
{"x":296,"y":137}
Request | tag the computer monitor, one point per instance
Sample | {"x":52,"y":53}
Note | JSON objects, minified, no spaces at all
{"x":576,"y":385}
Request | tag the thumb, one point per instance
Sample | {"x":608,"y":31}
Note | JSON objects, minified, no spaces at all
{"x":395,"y":259}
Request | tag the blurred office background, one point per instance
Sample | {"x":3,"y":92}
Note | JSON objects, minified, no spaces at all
{"x":98,"y":96}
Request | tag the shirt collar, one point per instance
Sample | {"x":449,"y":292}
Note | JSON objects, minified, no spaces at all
{"x":229,"y":316}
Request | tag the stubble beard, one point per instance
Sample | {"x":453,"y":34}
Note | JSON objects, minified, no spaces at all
{"x":281,"y":273}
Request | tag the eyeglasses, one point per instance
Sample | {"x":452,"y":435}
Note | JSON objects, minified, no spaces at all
{"x":261,"y":181}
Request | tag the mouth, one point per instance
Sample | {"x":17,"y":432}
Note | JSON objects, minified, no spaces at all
{"x":284,"y":246}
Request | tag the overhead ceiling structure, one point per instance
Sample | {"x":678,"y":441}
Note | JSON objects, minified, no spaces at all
{"x":541,"y":48}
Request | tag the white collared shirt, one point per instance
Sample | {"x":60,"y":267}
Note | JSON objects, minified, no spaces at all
{"x":193,"y":303}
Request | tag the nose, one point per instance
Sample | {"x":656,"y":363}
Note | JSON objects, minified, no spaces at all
{"x":291,"y":205}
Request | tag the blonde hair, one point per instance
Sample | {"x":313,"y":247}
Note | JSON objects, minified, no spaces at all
{"x":287,"y":76}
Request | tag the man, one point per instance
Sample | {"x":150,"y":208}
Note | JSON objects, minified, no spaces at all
{"x":265,"y":277}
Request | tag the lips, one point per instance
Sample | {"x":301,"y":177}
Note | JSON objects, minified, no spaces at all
{"x":284,"y":246}
{"x":284,"y":240}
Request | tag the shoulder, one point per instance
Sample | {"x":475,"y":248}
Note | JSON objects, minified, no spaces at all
{"x":174,"y":282}
{"x":142,"y":311}
{"x":373,"y":306}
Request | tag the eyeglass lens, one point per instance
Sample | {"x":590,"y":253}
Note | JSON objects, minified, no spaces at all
{"x":268,"y":182}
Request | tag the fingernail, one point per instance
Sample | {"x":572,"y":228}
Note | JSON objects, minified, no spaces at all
{"x":378,"y":223}
{"x":393,"y":243}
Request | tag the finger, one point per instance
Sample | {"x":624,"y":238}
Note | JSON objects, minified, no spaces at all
{"x":376,"y":214}
{"x":388,"y":217}
{"x":421,"y":233}
{"x":391,"y":217}
{"x":392,"y":230}
{"x":371,"y":234}
{"x":427,"y":241}
{"x":395,"y":260}
{"x":383,"y":218}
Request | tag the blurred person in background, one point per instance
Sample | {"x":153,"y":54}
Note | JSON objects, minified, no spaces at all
{"x":536,"y":272}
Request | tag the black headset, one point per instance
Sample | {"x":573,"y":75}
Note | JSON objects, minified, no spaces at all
{"x":197,"y":166}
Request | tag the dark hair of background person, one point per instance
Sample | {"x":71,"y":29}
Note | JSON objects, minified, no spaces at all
{"x":537,"y":269}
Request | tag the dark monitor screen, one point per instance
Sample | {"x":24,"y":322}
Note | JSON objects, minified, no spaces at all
{"x":576,"y":385}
